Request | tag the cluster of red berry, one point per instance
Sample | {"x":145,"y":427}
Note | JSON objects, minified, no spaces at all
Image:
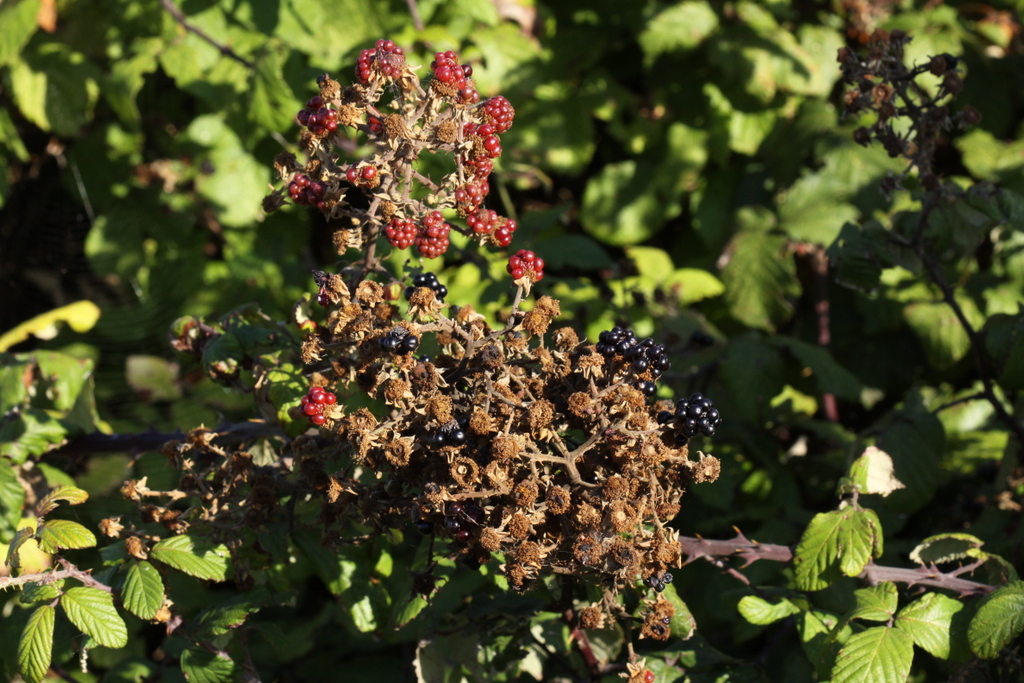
{"x":362,"y":175}
{"x":317,"y":118}
{"x":499,"y":113}
{"x":302,"y":190}
{"x":313,"y":404}
{"x":488,"y":222}
{"x":385,"y":57}
{"x":447,"y":70}
{"x":526,"y":263}
{"x":430,"y":236}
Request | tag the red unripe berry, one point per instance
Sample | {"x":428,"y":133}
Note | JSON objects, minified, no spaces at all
{"x":352,"y":174}
{"x":315,"y":102}
{"x":485,"y":130}
{"x":648,"y":676}
{"x":467,"y":70}
{"x":443,"y":73}
{"x":331,"y":126}
{"x":311,"y":409}
{"x":492,"y":142}
{"x":369,"y":172}
{"x":318,"y":420}
{"x":329,"y":399}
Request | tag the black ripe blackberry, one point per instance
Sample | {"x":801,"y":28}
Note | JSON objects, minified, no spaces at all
{"x":399,"y":341}
{"x":696,"y":414}
{"x":657,"y":582}
{"x":451,"y":434}
{"x":641,"y":355}
{"x":428,"y":280}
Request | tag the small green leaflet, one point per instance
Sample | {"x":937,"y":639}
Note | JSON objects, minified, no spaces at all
{"x":229,"y":615}
{"x":836,"y":543}
{"x":928,"y":620}
{"x":13,"y":559}
{"x":945,"y":548}
{"x":71,"y":494}
{"x":37,"y":592}
{"x":92,"y":611}
{"x":57,"y":534}
{"x":36,"y":645}
{"x":1000,"y":619}
{"x":202,"y":666}
{"x":683,"y":624}
{"x":877,"y":603}
{"x":143,"y":592}
{"x":873,"y":472}
{"x":759,"y":611}
{"x":878,"y":654}
{"x":193,"y":558}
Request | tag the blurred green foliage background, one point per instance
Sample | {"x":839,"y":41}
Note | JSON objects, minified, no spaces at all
{"x":681,"y":166}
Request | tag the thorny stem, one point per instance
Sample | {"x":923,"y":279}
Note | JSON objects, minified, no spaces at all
{"x":69,"y":571}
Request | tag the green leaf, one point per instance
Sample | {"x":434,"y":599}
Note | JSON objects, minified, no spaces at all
{"x":65,"y":375}
{"x":38,"y":592}
{"x":153,"y":378}
{"x":821,"y":636}
{"x":759,"y":279}
{"x":238,"y":182}
{"x":759,"y":611}
{"x":12,"y":499}
{"x":36,"y":645}
{"x":229,"y":615}
{"x":620,"y":207}
{"x":679,"y":28}
{"x":836,"y":543}
{"x":32,"y":432}
{"x":335,"y":570}
{"x":1000,"y":619}
{"x":17,"y":25}
{"x":877,"y":603}
{"x":945,"y":547}
{"x":143,"y":592}
{"x":57,"y":534}
{"x":272,"y":103}
{"x":80,"y":316}
{"x":878,"y":654}
{"x":943,"y":337}
{"x":915,"y":441}
{"x":193,"y":557}
{"x":872,"y":472}
{"x":928,"y":620}
{"x":573,"y":250}
{"x":55,"y":88}
{"x":683,"y":624}
{"x":203,"y":666}
{"x":71,"y":494}
{"x":830,"y":377}
{"x":13,"y":560}
{"x":92,"y":611}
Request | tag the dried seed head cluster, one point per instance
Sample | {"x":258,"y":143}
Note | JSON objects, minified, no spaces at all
{"x":882,"y":83}
{"x":399,"y":120}
{"x":550,"y":456}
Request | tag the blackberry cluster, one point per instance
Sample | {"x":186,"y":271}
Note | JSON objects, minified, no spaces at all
{"x":525,"y":264}
{"x":385,"y":58}
{"x":461,"y":518}
{"x":488,"y":222}
{"x":640,"y":355}
{"x":432,"y":239}
{"x":302,"y":190}
{"x":451,"y":434}
{"x":499,"y":113}
{"x":399,"y":341}
{"x":693,"y":415}
{"x":455,"y":76}
{"x":362,"y":175}
{"x":657,"y":582}
{"x":428,"y":280}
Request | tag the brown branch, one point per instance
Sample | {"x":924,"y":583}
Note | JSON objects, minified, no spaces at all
{"x":98,"y":442}
{"x":179,"y":17}
{"x":751,"y":551}
{"x":70,"y":571}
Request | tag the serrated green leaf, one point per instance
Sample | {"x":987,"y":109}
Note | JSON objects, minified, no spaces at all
{"x":836,"y":543}
{"x":229,"y":615}
{"x":202,"y":666}
{"x":683,"y":624}
{"x":945,"y":548}
{"x":877,"y":603}
{"x":193,"y":557}
{"x":92,"y":611}
{"x":821,"y":636}
{"x":915,"y":442}
{"x":678,"y":28}
{"x":55,"y":87}
{"x":272,"y":103}
{"x":16,"y":373}
{"x":13,"y":560}
{"x":38,"y":592}
{"x":12,"y":499}
{"x":872,"y":472}
{"x":17,"y":24}
{"x":829,"y":375}
{"x":757,"y":610}
{"x":759,"y":279}
{"x":32,"y":432}
{"x":57,"y":534}
{"x":943,"y":337}
{"x":928,"y":620}
{"x":878,"y":654}
{"x":143,"y":592}
{"x":620,"y":207}
{"x":35,"y":649}
{"x":999,"y":619}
